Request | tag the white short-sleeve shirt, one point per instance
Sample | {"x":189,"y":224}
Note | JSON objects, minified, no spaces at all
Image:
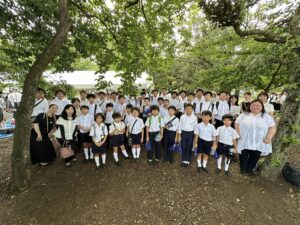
{"x":138,"y":125}
{"x":205,"y":132}
{"x":223,"y":108}
{"x":86,"y":121}
{"x":108,"y":117}
{"x":171,"y":123}
{"x":206,"y":106}
{"x":98,"y":132}
{"x":60,"y":105}
{"x":269,"y":108}
{"x":187,"y":123}
{"x":116,"y":126}
{"x":41,"y":106}
{"x":253,"y":130}
{"x":92,"y":110}
{"x":156,"y":123}
{"x":226,"y":135}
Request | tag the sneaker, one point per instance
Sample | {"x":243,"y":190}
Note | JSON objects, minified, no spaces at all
{"x":156,"y":160}
{"x":98,"y":167}
{"x":128,"y":157}
{"x":74,"y":160}
{"x":251,"y":173}
{"x":227,"y":173}
{"x":204,"y":169}
{"x":85,"y":160}
{"x":218,"y":171}
{"x":118,"y":163}
{"x":103,"y":164}
{"x":68,"y":164}
{"x":150,"y":161}
{"x":43,"y":164}
{"x":199,"y":169}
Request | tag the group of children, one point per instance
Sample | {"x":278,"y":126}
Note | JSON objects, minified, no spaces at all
{"x":149,"y":128}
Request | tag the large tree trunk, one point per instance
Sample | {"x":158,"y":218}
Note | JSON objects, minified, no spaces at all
{"x":20,"y":155}
{"x":287,"y":130}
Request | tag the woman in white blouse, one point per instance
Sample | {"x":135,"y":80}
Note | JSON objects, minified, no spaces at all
{"x":235,"y":109}
{"x":256,"y":129}
{"x":269,"y":108}
{"x":66,"y":132}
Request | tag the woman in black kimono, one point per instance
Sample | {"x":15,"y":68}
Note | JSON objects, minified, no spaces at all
{"x":41,"y":147}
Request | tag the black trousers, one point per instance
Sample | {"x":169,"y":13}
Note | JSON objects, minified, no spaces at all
{"x":187,"y":138}
{"x":249,"y":159}
{"x":155,"y":146}
{"x":169,"y":141}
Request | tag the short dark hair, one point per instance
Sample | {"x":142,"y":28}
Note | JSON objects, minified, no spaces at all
{"x":191,"y":93}
{"x":60,"y":91}
{"x":154,"y":107}
{"x":183,"y":91}
{"x":116,"y":115}
{"x":82,"y":91}
{"x":160,"y":99}
{"x":208,"y":93}
{"x":91,"y":95}
{"x":188,"y":105}
{"x":121,"y":96}
{"x":174,"y":92}
{"x":206,"y":113}
{"x":172,"y":107}
{"x":247,"y":93}
{"x":40,"y":90}
{"x":109,"y":105}
{"x":147,"y":98}
{"x":75,"y":100}
{"x":199,"y":89}
{"x":227,"y":116}
{"x":129,"y":106}
{"x":101,"y":93}
{"x":64,"y":113}
{"x":136,"y":109}
{"x":221,"y":92}
{"x":166,"y":100}
{"x":154,"y":90}
{"x":143,"y":93}
{"x":84,"y":107}
{"x":263,"y":94}
{"x":100,"y":115}
{"x":237,"y":99}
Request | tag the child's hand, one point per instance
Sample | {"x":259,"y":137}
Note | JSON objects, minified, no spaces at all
{"x":195,"y":146}
{"x":214,"y":147}
{"x":98,"y":144}
{"x":147,"y":139}
{"x":235,"y":151}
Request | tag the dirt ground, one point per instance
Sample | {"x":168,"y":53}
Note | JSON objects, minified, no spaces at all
{"x":137,"y":193}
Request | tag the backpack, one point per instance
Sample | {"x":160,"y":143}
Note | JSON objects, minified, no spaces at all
{"x":212,"y":106}
{"x":217,"y":105}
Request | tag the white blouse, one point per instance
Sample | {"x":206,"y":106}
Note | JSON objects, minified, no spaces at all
{"x":98,"y":132}
{"x":253,"y":130}
{"x":235,"y":110}
{"x":187,"y":123}
{"x":269,"y":108}
{"x":86,"y":121}
{"x":138,"y":125}
{"x":172,"y":126}
{"x":69,"y":127}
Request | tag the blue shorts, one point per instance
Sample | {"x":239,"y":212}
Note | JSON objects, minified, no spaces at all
{"x":204,"y":146}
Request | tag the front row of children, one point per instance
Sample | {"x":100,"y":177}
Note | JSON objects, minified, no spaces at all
{"x":202,"y":138}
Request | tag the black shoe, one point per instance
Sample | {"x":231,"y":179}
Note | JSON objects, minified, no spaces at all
{"x":128,"y":157}
{"x":199,"y":169}
{"x":117,"y":163}
{"x":243,"y":172}
{"x":103,"y":165}
{"x":98,"y":167}
{"x":183,"y":165}
{"x":150,"y":161}
{"x":227,"y":173}
{"x":204,"y":169}
{"x":251,"y":173}
{"x":85,"y":161}
{"x":68,"y":164}
{"x":156,"y":160}
{"x":218,"y":171}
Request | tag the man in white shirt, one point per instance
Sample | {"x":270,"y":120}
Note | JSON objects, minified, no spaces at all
{"x":121,"y":106}
{"x":93,"y":107}
{"x":14,"y":99}
{"x":174,"y":100}
{"x":41,"y":104}
{"x":83,"y":99}
{"x":206,"y":105}
{"x":101,"y":102}
{"x":154,"y":97}
{"x":60,"y":101}
{"x":164,"y":94}
{"x":199,"y":96}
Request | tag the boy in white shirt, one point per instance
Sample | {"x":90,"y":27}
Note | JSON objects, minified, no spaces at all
{"x":116,"y":132}
{"x":135,"y":132}
{"x":85,"y":122}
{"x":60,"y":101}
{"x":206,"y":105}
{"x":154,"y":133}
{"x":93,"y":107}
{"x":187,"y":124}
{"x":171,"y":133}
{"x":204,"y":140}
{"x":223,"y":107}
{"x":227,"y":143}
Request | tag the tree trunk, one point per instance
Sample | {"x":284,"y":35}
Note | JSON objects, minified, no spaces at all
{"x":20,"y":155}
{"x":287,"y":130}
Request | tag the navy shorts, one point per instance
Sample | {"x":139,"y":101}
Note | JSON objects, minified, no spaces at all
{"x":84,"y":138}
{"x":204,"y":146}
{"x":99,"y":150}
{"x":117,"y":140}
{"x":223,"y":149}
{"x":136,"y":138}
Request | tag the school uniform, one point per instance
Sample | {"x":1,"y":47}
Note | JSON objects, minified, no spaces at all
{"x":134,"y":102}
{"x":61,"y":103}
{"x":182,"y":103}
{"x":171,"y":128}
{"x":205,"y":106}
{"x":206,"y":135}
{"x":253,"y":130}
{"x":115,"y":103}
{"x":269,"y":108}
{"x":186,"y":129}
{"x":84,"y":102}
{"x":245,"y":106}
{"x":146,"y":111}
{"x":40,"y":106}
{"x":127,"y":117}
{"x":226,"y":135}
{"x":135,"y":127}
{"x":154,"y":100}
{"x":98,"y":133}
{"x":163,"y":112}
{"x":116,"y":140}
{"x":102,"y":104}
{"x":94,"y":109}
{"x":154,"y":123}
{"x":175,"y":102}
{"x":86,"y":121}
{"x":121,"y":108}
{"x":223,"y":107}
{"x":197,"y":100}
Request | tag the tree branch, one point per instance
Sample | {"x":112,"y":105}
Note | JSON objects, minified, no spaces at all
{"x":267,"y":88}
{"x":144,"y":14}
{"x":89,"y":16}
{"x":131,"y":3}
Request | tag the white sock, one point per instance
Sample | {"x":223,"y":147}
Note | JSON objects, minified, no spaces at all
{"x":86,"y":153}
{"x":204,"y":163}
{"x":97,"y":160}
{"x":103,"y":158}
{"x":219,"y":161}
{"x":134,"y":153}
{"x":91,"y":154}
{"x":125,"y":153}
{"x":138,"y":152}
{"x":227,"y":164}
{"x":116,"y":156}
{"x":199,"y":162}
